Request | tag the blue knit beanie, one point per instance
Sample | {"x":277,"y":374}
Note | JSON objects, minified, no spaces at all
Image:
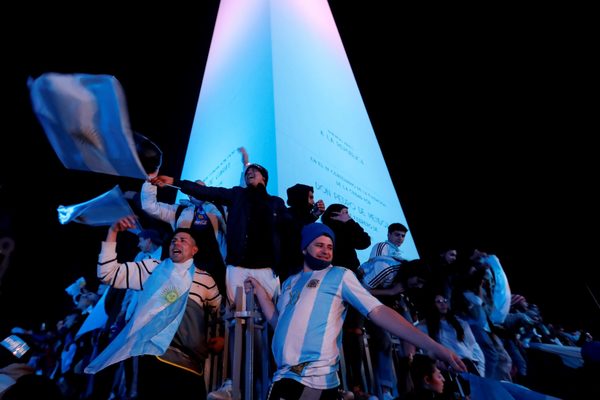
{"x":312,"y":231}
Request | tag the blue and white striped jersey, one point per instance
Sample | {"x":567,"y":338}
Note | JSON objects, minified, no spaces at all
{"x":307,"y":339}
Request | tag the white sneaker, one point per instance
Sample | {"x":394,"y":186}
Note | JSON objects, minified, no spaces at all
{"x":225,"y":392}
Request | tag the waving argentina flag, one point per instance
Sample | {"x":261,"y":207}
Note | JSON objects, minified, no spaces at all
{"x":86,"y":121}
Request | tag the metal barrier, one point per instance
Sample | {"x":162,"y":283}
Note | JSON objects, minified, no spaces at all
{"x":248,"y":321}
{"x":213,"y":372}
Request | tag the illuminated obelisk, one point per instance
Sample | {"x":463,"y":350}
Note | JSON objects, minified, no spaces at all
{"x":279,"y":83}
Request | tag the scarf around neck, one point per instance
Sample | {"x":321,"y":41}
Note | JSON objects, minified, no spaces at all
{"x":160,"y":308}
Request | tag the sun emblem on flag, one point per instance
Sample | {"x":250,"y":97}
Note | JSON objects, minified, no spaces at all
{"x":170,"y":294}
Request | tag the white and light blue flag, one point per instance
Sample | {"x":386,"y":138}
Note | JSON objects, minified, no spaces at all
{"x":99,"y":211}
{"x":500,"y":290}
{"x":86,"y":121}
{"x":96,"y":319}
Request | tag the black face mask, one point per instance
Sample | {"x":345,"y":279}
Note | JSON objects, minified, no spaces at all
{"x":314,"y":263}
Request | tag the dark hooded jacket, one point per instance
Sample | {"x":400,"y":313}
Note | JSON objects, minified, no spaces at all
{"x":349,"y":237}
{"x":300,"y":215}
{"x":255,"y":222}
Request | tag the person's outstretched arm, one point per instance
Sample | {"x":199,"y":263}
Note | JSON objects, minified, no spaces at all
{"x":162,"y":180}
{"x":390,"y":320}
{"x":217,"y":195}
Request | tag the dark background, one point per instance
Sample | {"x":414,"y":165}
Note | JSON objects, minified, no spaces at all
{"x":483,"y":116}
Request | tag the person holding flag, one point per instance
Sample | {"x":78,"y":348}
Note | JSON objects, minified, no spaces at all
{"x":167,"y":329}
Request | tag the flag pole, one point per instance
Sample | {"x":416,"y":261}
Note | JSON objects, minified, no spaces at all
{"x":173,"y":186}
{"x":593,"y":297}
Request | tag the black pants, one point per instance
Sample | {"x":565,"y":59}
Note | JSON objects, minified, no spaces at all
{"x":289,"y":389}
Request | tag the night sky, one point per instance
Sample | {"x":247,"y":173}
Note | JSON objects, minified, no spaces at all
{"x":483,"y":118}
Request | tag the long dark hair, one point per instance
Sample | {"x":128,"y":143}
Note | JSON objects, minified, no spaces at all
{"x":433,"y":319}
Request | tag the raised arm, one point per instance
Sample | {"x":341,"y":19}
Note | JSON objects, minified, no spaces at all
{"x":159,"y":210}
{"x":245,"y":162}
{"x":129,"y":275}
{"x":245,"y":158}
{"x":120,"y":225}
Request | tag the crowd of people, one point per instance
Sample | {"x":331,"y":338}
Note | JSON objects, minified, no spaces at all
{"x":148,"y":330}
